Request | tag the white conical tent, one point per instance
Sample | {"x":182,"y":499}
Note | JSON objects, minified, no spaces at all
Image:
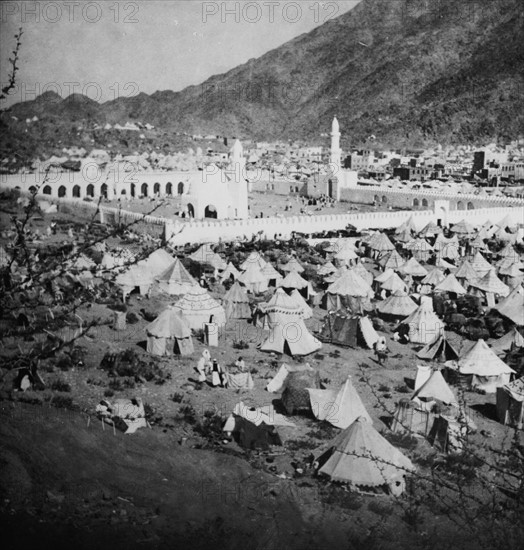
{"x":287,"y":331}
{"x":175,"y":280}
{"x":348,"y":288}
{"x":361,"y":457}
{"x":435,"y":387}
{"x":393,"y":260}
{"x":399,"y":304}
{"x":424,"y":325}
{"x":351,"y":283}
{"x":254,"y":258}
{"x":253,"y":279}
{"x":294,"y":281}
{"x":359,"y":269}
{"x":270,"y":273}
{"x":380,"y":243}
{"x":430,"y":230}
{"x":230,"y":272}
{"x":170,"y":325}
{"x":512,"y":306}
{"x":200,"y":308}
{"x":450,"y":284}
{"x":394,"y":283}
{"x":299,"y":299}
{"x":292,"y":265}
{"x":326,"y":269}
{"x":509,"y":252}
{"x":346,"y":253}
{"x":480,"y":265}
{"x":143,"y":273}
{"x":412,"y":267}
{"x":434,"y":277}
{"x":206,"y":255}
{"x":483,"y":368}
{"x":340,"y":407}
{"x":439,"y":350}
{"x":236,"y":303}
{"x":489,"y":286}
{"x":384,"y":276}
{"x":466,"y":273}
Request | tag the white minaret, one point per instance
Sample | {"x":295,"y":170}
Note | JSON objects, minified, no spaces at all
{"x":336,"y":153}
{"x":237,"y":160}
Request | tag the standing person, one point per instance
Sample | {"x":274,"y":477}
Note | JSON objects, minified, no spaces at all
{"x":203,"y":366}
{"x":381,"y":350}
{"x":240,"y":364}
{"x":216,"y":374}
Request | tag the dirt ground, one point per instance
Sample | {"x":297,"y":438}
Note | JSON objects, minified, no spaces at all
{"x":68,"y":480}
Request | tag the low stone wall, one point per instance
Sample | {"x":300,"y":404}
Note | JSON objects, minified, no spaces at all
{"x":179,"y":233}
{"x":211,"y":231}
{"x":422,"y":199}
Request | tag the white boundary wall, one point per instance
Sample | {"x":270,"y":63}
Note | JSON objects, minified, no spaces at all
{"x":180,"y":233}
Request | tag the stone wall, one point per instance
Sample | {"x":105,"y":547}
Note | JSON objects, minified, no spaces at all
{"x":423,"y":199}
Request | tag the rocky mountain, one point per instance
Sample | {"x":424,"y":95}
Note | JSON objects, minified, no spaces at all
{"x":403,"y":71}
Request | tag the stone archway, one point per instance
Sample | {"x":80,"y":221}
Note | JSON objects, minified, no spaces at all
{"x":460,"y":205}
{"x":76,"y":191}
{"x":156,"y":188}
{"x":144,"y":189}
{"x":191,"y":210}
{"x":169,"y":188}
{"x":425,"y":203}
{"x":103,"y":190}
{"x":180,"y":188}
{"x":90,"y":190}
{"x":62,"y":191}
{"x":415,"y":203}
{"x":47,"y":190}
{"x":384,"y":199}
{"x":211,"y":212}
{"x":471,"y":206}
{"x":133,"y":190}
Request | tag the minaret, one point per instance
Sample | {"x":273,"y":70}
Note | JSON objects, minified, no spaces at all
{"x":239,"y":186}
{"x":335,"y":146}
{"x":238,"y":162}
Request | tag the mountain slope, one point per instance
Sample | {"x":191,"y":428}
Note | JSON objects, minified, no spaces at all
{"x":412,"y":71}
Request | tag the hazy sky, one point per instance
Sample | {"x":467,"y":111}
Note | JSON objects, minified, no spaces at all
{"x":107,"y":49}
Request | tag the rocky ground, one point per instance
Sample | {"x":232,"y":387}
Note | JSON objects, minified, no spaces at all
{"x":69,"y":480}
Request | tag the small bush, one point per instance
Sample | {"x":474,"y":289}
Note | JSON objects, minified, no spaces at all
{"x":384,"y":388}
{"x":62,"y":402}
{"x":402,"y":389}
{"x":463,"y":465}
{"x":177,"y":397}
{"x":109,"y":393}
{"x":64,"y":363}
{"x":61,"y":386}
{"x":188,"y":414}
{"x":240,"y":344}
{"x":211,"y":426}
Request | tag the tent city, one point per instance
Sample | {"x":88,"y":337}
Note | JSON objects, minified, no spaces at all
{"x":281,"y":306}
